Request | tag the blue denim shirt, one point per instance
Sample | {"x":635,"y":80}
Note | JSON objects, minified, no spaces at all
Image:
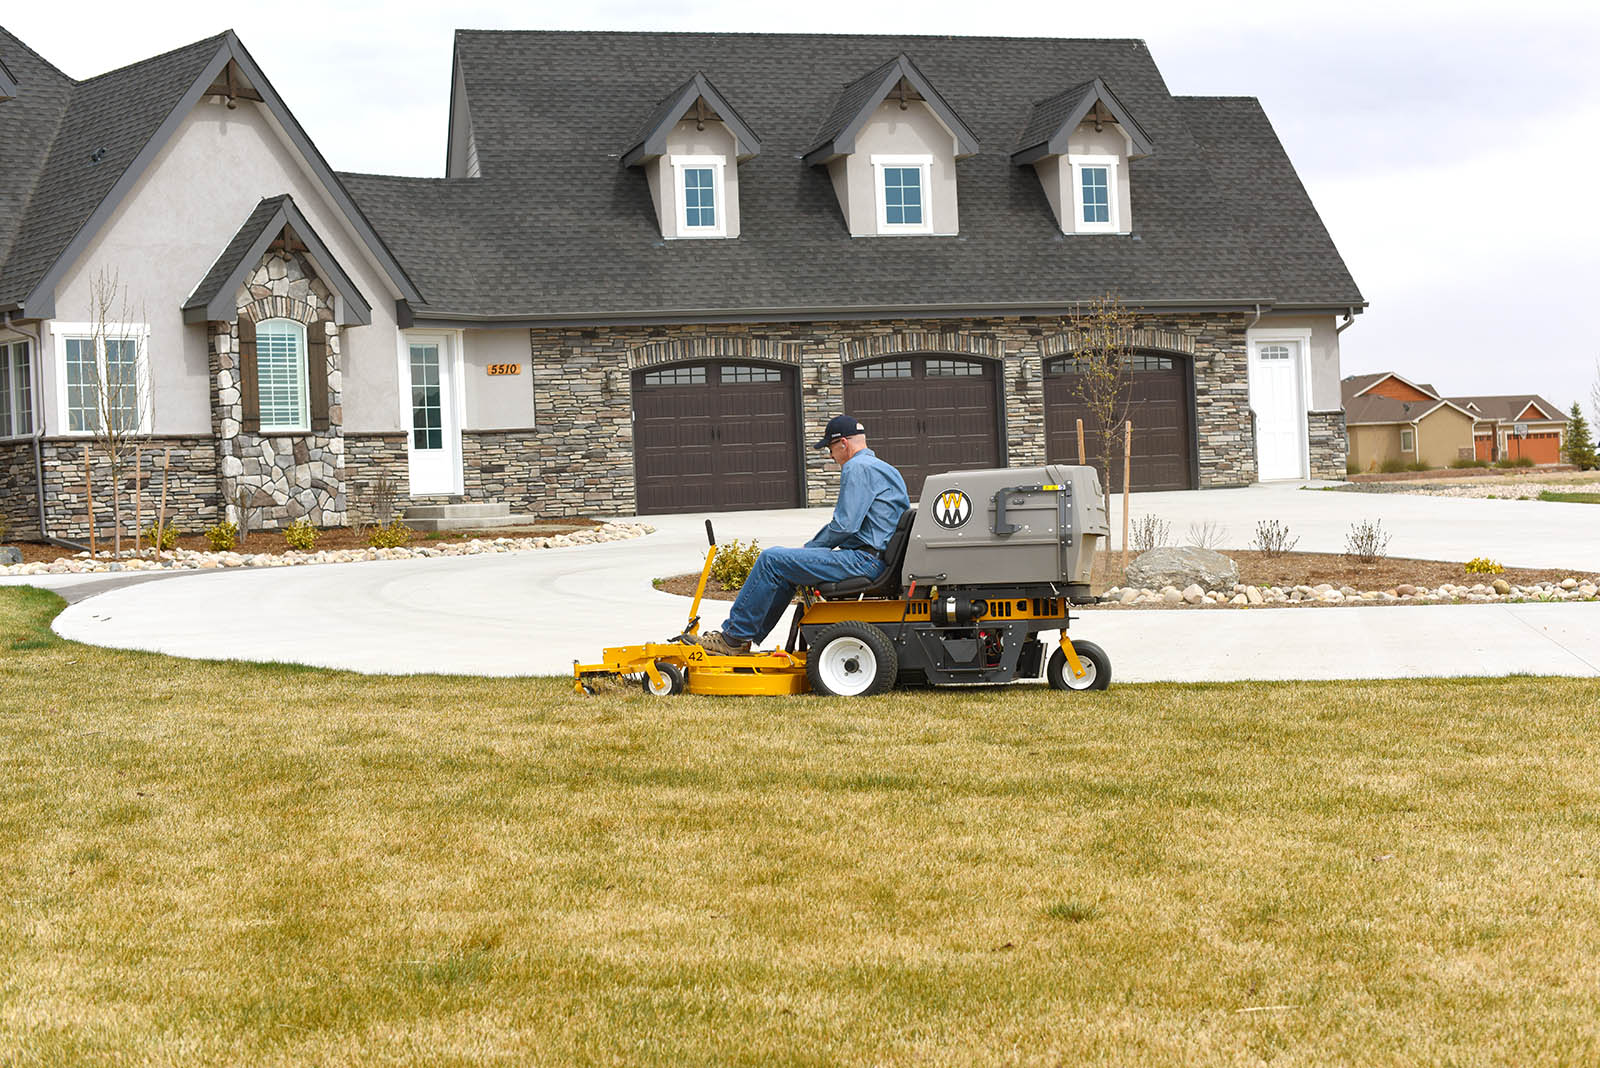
{"x":872,"y":497}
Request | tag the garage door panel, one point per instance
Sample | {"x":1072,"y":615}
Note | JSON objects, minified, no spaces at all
{"x":728,"y":440}
{"x":1163,"y":440}
{"x":925,"y":422}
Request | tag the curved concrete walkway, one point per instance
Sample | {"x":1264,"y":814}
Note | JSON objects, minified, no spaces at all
{"x":534,"y":613}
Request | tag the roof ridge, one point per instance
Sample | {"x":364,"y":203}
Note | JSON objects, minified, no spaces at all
{"x":461,"y":32}
{"x":35,"y":54}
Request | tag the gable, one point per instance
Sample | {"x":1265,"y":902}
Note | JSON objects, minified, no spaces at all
{"x":1398,"y":389}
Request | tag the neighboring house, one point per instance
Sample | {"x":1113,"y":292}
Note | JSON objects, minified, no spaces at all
{"x":1517,"y":426}
{"x":656,"y":264}
{"x":1389,"y":418}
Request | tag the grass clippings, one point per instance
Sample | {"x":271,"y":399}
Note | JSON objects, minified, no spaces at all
{"x":224,"y":864}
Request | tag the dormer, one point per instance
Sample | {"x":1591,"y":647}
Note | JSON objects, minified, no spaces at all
{"x":890,"y":144}
{"x":690,"y":149}
{"x":8,"y":82}
{"x":461,"y":155}
{"x":1080,"y":142}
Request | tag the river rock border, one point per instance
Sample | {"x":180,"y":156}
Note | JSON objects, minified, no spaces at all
{"x":1243,"y":596}
{"x":189,"y":560}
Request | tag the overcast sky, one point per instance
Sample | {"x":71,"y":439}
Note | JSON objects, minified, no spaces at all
{"x":1450,"y":147}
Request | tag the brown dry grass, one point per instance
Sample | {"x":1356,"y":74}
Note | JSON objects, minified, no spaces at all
{"x":211,"y":864}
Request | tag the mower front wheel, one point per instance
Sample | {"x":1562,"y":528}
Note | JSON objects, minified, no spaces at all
{"x":851,"y":659}
{"x":1096,"y":668}
{"x":672,"y":680}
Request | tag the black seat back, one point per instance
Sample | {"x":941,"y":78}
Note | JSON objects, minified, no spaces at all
{"x":887,"y":584}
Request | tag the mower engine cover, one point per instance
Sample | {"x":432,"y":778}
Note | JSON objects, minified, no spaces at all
{"x":1008,"y":526}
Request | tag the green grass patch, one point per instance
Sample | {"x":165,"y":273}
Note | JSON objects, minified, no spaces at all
{"x":1569,"y":498}
{"x":223,"y":863}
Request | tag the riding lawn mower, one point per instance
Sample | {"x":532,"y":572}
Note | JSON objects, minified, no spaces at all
{"x":987,"y":563}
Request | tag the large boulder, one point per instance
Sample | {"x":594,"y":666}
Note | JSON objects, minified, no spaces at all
{"x":1182,"y":567}
{"x":10,"y":554}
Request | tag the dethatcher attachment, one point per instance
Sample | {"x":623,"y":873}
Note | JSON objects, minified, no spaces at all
{"x":990,"y":589}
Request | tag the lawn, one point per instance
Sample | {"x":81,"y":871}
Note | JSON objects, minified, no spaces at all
{"x":1570,"y":498}
{"x":233,"y":864}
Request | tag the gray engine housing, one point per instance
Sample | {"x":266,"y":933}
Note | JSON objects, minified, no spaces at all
{"x":1008,"y":526}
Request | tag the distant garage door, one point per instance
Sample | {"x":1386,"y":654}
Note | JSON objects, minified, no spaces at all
{"x":926,"y":414}
{"x":1163,"y":438}
{"x":714,"y":437}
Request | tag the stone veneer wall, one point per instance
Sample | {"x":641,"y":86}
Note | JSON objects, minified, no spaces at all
{"x":193,"y":501}
{"x":279,"y":477}
{"x":497,"y":465}
{"x":19,"y":497}
{"x":1330,"y":445}
{"x":582,"y":381}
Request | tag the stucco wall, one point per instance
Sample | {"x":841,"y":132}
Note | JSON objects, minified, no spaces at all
{"x":685,"y":140}
{"x":1322,"y":357}
{"x":912,"y":132}
{"x":1372,"y":446}
{"x":504,"y":402}
{"x":171,"y":228}
{"x":1442,"y":435}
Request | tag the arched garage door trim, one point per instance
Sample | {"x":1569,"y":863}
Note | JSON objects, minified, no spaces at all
{"x":1061,"y":349}
{"x":701,"y":349}
{"x":993,"y":363}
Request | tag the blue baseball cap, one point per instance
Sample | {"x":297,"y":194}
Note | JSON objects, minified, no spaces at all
{"x":840,"y":426}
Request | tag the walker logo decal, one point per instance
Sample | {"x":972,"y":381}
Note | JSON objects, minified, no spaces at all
{"x":952,"y":509}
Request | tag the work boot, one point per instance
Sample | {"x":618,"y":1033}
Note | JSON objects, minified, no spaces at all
{"x":719,"y":644}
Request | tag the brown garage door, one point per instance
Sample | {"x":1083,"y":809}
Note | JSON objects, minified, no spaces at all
{"x":926,"y":414}
{"x":1163,"y":441}
{"x":715,"y":436}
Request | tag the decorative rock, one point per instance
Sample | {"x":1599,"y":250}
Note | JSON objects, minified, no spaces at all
{"x":1501,"y":586}
{"x":1185,"y":566}
{"x":10,"y":555}
{"x":1193,"y":594}
{"x":1569,"y":583}
{"x":1252,"y":595}
{"x":1171,"y":595}
{"x":1240,"y":598}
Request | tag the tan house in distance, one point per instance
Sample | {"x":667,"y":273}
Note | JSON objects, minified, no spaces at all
{"x":1495,"y":435}
{"x":1390,"y":418}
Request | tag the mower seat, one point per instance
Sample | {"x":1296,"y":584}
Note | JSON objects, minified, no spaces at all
{"x":887,"y":584}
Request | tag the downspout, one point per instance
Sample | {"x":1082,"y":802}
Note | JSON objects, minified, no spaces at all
{"x":1349,"y":321}
{"x":36,"y":372}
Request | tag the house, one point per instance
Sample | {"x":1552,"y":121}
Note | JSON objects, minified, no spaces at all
{"x":1389,"y":418}
{"x":1518,"y":426}
{"x":654,"y":262}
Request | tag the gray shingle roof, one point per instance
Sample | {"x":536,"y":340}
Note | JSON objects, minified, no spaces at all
{"x":558,"y":228}
{"x":1371,"y":409}
{"x":28,"y":124}
{"x":858,"y":100}
{"x":1507,"y":407}
{"x":99,"y":126}
{"x":652,"y":136}
{"x":1055,"y":117}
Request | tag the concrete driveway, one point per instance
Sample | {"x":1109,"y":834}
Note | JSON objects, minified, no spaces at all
{"x":535,"y":612}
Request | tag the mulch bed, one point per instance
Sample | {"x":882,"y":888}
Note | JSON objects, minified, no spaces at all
{"x":271,"y":541}
{"x":1284,"y":571}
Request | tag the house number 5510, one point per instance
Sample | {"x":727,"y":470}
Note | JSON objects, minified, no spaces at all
{"x":504,"y":369}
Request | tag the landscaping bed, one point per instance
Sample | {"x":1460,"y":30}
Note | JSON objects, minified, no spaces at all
{"x":1544,"y":483}
{"x":1338,"y":572}
{"x":337,"y":545}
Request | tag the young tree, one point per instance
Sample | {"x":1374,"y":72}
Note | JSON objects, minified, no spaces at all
{"x":1103,"y":382}
{"x":116,"y":372}
{"x":1580,"y":445}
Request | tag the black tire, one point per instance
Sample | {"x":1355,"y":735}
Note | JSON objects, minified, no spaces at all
{"x":1096,"y":668}
{"x":671,"y":676}
{"x":851,"y":659}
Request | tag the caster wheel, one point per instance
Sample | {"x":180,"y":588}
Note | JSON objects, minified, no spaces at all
{"x":672,"y":680}
{"x":1096,"y":668}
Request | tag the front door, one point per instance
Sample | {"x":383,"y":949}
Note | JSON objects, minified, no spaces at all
{"x":434,"y":445}
{"x":1275,"y":395}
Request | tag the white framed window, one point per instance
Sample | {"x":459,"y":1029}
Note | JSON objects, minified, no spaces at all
{"x":904,"y":192}
{"x":89,"y":363}
{"x":702,"y":207}
{"x":16,"y":390}
{"x":1408,"y":440}
{"x":1095,"y":209}
{"x":281,"y":387}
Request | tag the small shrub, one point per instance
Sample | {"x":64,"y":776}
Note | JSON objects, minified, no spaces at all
{"x":1207,"y":534}
{"x":1351,"y":467}
{"x":1482,"y":565}
{"x":1393,"y":466}
{"x":1367,"y":541}
{"x":1272,"y":538}
{"x":300,"y":535}
{"x":1419,"y":466}
{"x":392,"y":535}
{"x":1523,"y":461}
{"x":222,"y":537}
{"x":733,"y":563}
{"x":168,"y":539}
{"x":1462,"y":463}
{"x":1149,"y":532}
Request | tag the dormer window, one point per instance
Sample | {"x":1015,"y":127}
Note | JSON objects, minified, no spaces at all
{"x":1094,"y":181}
{"x":699,"y":187}
{"x":902,"y":185}
{"x":1080,"y":142}
{"x":689,"y":150}
{"x":890,"y":144}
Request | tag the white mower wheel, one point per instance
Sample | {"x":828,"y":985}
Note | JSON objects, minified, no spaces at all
{"x":672,"y":680}
{"x":851,"y":659}
{"x":1096,"y":668}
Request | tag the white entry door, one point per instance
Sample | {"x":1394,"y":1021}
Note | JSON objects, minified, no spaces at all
{"x":434,"y":444}
{"x":1276,"y":395}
